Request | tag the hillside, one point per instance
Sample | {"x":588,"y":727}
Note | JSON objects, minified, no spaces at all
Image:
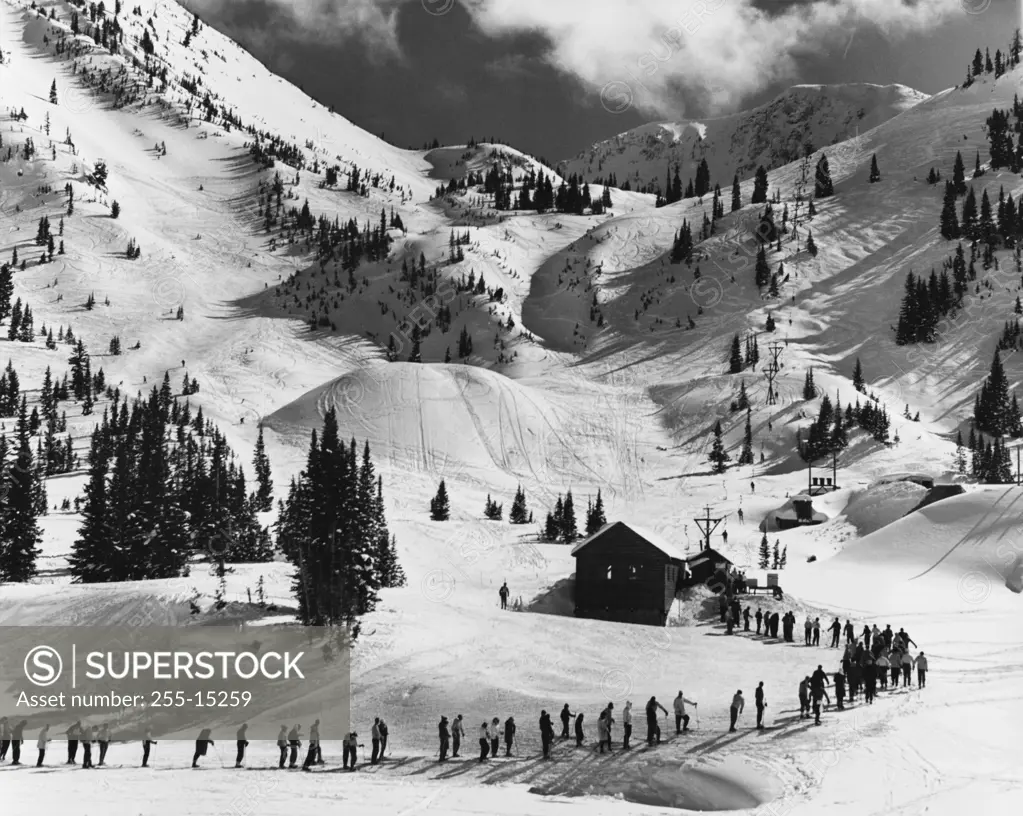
{"x":771,"y":135}
{"x":595,"y":364}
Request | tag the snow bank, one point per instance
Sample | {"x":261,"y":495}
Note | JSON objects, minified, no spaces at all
{"x":882,"y":503}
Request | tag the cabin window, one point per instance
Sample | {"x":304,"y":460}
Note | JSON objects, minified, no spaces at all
{"x":609,"y":568}
{"x":633,"y":572}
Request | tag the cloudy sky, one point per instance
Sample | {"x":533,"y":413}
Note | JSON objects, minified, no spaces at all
{"x":553,"y":76}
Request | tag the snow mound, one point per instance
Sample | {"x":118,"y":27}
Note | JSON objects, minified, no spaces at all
{"x":457,"y":421}
{"x":881,"y":504}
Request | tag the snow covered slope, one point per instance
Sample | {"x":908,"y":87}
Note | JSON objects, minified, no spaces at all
{"x":771,"y":135}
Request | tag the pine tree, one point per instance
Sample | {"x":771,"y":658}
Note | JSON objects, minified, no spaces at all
{"x":718,"y":456}
{"x":858,"y":381}
{"x":960,"y":455}
{"x":261,"y":464}
{"x":735,"y":357}
{"x":875,"y":173}
{"x":959,"y":175}
{"x":784,"y":557}
{"x":759,"y":186}
{"x":595,"y":518}
{"x":440,"y":509}
{"x":775,"y":554}
{"x":746,"y":456}
{"x":492,"y":510}
{"x":949,"y":219}
{"x":823,"y":186}
{"x":736,"y":195}
{"x":811,"y":247}
{"x":765,"y":552}
{"x":518,"y":513}
{"x":53,"y":92}
{"x":809,"y":389}
{"x":19,"y":531}
{"x":569,"y":532}
{"x":762,"y":272}
{"x":769,"y":325}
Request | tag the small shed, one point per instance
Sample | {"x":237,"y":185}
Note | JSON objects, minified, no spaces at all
{"x":626,"y":573}
{"x":704,"y":566}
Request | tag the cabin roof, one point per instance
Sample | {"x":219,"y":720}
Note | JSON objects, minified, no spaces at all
{"x":707,"y":555}
{"x":652,"y":538}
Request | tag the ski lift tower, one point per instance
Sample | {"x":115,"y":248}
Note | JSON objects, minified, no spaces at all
{"x":771,"y":372}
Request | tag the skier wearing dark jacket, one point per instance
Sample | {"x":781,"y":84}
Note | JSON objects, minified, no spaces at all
{"x":566,"y":716}
{"x":579,"y":729}
{"x":509,"y":735}
{"x":201,"y":746}
{"x":242,"y":742}
{"x":839,"y":679}
{"x":546,"y":733}
{"x":761,"y":705}
{"x":652,"y":729}
{"x":442,"y":729}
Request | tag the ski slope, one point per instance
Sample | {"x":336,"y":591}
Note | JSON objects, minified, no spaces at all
{"x":624,"y":407}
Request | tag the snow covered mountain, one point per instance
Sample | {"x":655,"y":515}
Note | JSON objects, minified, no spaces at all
{"x":600,"y":366}
{"x":771,"y":135}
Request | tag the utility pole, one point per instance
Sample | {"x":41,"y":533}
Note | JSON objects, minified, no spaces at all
{"x":707,"y":526}
{"x":771,"y":371}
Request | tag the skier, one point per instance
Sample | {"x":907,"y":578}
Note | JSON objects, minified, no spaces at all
{"x":314,"y":743}
{"x":626,"y":725}
{"x":74,"y":733}
{"x":383,"y":743}
{"x":44,"y":737}
{"x":547,"y":732}
{"x":375,"y":734}
{"x":242,"y":742}
{"x":87,"y":747}
{"x":294,"y":742}
{"x":775,"y":623}
{"x":352,"y":746}
{"x":609,"y":721}
{"x":761,"y":705}
{"x":850,"y":633}
{"x":566,"y":715}
{"x":509,"y":735}
{"x":201,"y":746}
{"x":816,"y":631}
{"x":759,"y":616}
{"x":602,"y":736}
{"x":752,"y":487}
{"x":906,"y":639}
{"x":652,"y":728}
{"x":907,"y":669}
{"x":839,"y":679}
{"x":738,"y":703}
{"x":5,"y":738}
{"x":804,"y":698}
{"x":442,"y":729}
{"x":888,"y":636}
{"x":869,"y":680}
{"x":740,"y":515}
{"x":282,"y":744}
{"x":817,"y":693}
{"x":866,"y":635}
{"x":504,"y":592}
{"x":457,"y":732}
{"x":883,"y":666}
{"x":484,"y":741}
{"x":17,"y":738}
{"x":147,"y":743}
{"x":808,"y":630}
{"x":921,"y":670}
{"x":745,"y":619}
{"x":579,"y":730}
{"x":681,"y":718}
{"x":729,"y":622}
{"x":103,"y":740}
{"x":836,"y":630}
{"x":495,"y":736}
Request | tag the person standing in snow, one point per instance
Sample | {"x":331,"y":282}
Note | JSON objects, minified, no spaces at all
{"x":907,"y":669}
{"x":775,"y":623}
{"x":817,"y":693}
{"x":202,"y":744}
{"x":921,"y":670}
{"x":457,"y":732}
{"x":504,"y":592}
{"x":836,"y":631}
{"x":626,"y":725}
{"x":442,"y":731}
{"x":484,"y":741}
{"x":375,"y":739}
{"x":495,"y":736}
{"x":761,"y":702}
{"x":888,"y":636}
{"x":17,"y":738}
{"x":740,"y":515}
{"x":759,"y":617}
{"x":351,"y":749}
{"x":103,"y":740}
{"x":808,"y":630}
{"x":729,"y":622}
{"x":242,"y":743}
{"x":282,"y":745}
{"x":883,"y":666}
{"x":651,"y":719}
{"x":566,"y":716}
{"x":383,"y":743}
{"x":579,"y":736}
{"x":602,"y":737}
{"x":509,"y":735}
{"x":44,"y":737}
{"x":87,"y":735}
{"x":5,"y":738}
{"x":681,"y":718}
{"x":314,"y":745}
{"x":850,"y":633}
{"x":804,"y":698}
{"x":745,"y":619}
{"x":866,"y":635}
{"x":314,"y":741}
{"x":738,"y":703}
{"x":869,"y":679}
{"x":73,"y":734}
{"x":816,"y":631}
{"x":839,"y":679}
{"x":547,"y":732}
{"x":147,"y":743}
{"x":294,"y":743}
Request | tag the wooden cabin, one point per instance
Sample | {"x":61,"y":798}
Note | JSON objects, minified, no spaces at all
{"x":627,"y":574}
{"x":708,"y":567}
